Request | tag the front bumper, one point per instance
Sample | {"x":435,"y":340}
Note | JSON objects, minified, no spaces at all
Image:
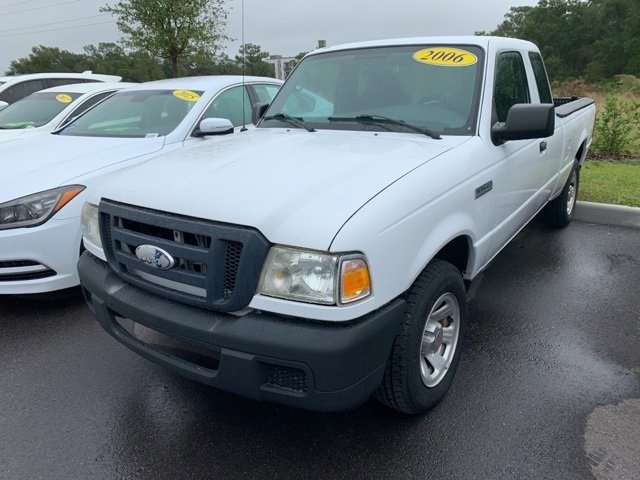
{"x":40,"y":259}
{"x":312,"y":365}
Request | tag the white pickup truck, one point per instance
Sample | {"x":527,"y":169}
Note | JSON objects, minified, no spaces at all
{"x":326,"y":255}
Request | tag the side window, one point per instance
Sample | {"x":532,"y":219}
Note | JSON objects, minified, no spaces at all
{"x":86,"y":105}
{"x":229,"y":105}
{"x":21,"y":90}
{"x":510,"y":84}
{"x":542,"y":80}
{"x":265,"y":92}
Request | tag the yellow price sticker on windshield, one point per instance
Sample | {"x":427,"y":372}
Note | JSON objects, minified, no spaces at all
{"x":445,"y":57}
{"x":64,"y":98}
{"x":186,"y":95}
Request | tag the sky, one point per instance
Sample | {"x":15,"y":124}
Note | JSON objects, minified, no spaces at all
{"x":280,"y":27}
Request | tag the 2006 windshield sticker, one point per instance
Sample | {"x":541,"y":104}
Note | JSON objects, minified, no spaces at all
{"x":64,"y":98}
{"x":186,"y":95}
{"x":445,"y":57}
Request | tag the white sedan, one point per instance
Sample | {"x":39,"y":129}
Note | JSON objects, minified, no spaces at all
{"x":50,"y":109}
{"x":44,"y":183}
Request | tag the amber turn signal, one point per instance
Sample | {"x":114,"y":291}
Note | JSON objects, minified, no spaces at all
{"x":355,"y":282}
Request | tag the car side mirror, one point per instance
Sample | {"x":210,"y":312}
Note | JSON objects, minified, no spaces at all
{"x":524,"y":122}
{"x":3,"y":105}
{"x":213,"y":126}
{"x":259,"y":110}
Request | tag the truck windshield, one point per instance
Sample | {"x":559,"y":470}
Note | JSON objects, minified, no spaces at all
{"x":435,"y":88}
{"x":35,"y":110}
{"x":135,"y":114}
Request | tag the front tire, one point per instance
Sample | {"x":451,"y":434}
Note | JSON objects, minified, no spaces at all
{"x":428,"y":344}
{"x":559,"y":212}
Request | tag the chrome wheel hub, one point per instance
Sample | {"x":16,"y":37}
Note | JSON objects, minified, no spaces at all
{"x":439,"y":339}
{"x":571,"y":197}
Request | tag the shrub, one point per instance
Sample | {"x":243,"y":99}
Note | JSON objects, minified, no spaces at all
{"x":617,"y":127}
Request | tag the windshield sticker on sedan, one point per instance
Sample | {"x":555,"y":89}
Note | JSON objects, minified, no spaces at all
{"x":64,"y":98}
{"x":445,"y":57}
{"x":186,"y":95}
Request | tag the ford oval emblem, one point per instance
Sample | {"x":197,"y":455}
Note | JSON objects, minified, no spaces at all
{"x":155,"y":257}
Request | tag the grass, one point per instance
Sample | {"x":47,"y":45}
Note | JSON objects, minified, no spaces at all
{"x":616,"y":182}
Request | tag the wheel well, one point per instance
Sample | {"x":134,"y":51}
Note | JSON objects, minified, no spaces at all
{"x":456,"y":252}
{"x":579,"y":155}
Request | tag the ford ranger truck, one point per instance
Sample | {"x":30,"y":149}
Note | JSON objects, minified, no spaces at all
{"x":325,"y":257}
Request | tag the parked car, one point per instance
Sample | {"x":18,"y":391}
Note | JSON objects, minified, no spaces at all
{"x":13,"y":88}
{"x":50,"y":109}
{"x":325,"y":256}
{"x":44,"y":184}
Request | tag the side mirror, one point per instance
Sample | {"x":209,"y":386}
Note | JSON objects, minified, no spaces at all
{"x":213,"y":126}
{"x":3,"y":105}
{"x":525,"y":121}
{"x":259,"y":110}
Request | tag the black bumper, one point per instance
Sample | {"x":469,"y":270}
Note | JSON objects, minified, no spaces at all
{"x":312,"y":365}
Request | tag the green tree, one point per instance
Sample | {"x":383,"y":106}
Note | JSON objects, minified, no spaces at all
{"x":253,"y":59}
{"x":617,"y":46}
{"x":49,"y":59}
{"x":136,"y":66}
{"x":596,"y":39}
{"x":564,"y":30}
{"x":170,"y":29}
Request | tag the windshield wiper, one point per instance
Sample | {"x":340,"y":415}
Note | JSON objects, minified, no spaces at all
{"x":373,"y":119}
{"x":283,"y":117}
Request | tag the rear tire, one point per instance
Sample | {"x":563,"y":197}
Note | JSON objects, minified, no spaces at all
{"x":558,"y":213}
{"x":428,"y":344}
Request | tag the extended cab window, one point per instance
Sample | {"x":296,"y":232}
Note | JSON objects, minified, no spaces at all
{"x":434,"y":87}
{"x":510,"y":84}
{"x":542,"y":80}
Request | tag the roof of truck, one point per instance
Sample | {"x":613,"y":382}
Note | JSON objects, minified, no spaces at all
{"x":480,"y":40}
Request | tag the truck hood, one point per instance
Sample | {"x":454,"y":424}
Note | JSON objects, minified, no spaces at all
{"x":296,"y":187}
{"x":44,"y":161}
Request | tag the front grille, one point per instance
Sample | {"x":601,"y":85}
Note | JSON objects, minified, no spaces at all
{"x":216,"y":265}
{"x":287,"y":378}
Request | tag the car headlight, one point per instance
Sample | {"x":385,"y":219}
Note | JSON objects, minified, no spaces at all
{"x":314,"y":277}
{"x":34,"y":210}
{"x":90,"y":224}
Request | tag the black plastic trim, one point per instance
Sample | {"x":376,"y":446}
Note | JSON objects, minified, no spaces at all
{"x":343,"y":363}
{"x":567,"y":106}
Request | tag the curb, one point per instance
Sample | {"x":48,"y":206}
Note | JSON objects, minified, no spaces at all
{"x":606,"y":214}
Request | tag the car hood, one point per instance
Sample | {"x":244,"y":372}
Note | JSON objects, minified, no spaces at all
{"x":36,"y":164}
{"x":16,"y":133}
{"x":296,"y":187}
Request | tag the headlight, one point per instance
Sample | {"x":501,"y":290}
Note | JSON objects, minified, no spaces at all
{"x":314,"y":277}
{"x":36,"y":209}
{"x":90,"y":224}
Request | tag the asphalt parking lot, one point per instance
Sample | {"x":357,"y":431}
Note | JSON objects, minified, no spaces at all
{"x":548,"y":387}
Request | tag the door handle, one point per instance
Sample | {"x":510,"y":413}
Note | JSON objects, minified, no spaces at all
{"x":543,"y":146}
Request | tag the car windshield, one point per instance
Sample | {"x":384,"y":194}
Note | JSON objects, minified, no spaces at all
{"x":35,"y":110}
{"x":430,"y":87}
{"x":135,"y":114}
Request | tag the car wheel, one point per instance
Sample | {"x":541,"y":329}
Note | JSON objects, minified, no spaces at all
{"x":428,"y":344}
{"x":559,"y":212}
